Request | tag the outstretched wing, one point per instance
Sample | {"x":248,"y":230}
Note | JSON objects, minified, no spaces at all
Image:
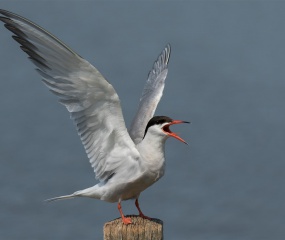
{"x":91,"y":100}
{"x":151,"y":95}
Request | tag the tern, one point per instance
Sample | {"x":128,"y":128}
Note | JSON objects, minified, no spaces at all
{"x":125,"y":162}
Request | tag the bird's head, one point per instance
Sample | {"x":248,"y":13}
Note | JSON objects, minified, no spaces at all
{"x":159,"y":126}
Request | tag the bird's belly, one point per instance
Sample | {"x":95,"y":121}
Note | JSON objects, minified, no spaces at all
{"x":129,"y":190}
{"x":134,"y":189}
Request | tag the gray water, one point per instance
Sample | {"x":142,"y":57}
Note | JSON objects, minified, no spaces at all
{"x":226,"y":76}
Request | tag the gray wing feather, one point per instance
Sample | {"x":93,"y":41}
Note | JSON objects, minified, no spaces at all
{"x":92,"y":102}
{"x":151,"y":95}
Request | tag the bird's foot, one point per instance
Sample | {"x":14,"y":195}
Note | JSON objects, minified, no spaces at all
{"x":126,"y":220}
{"x":144,"y":216}
{"x":140,"y":211}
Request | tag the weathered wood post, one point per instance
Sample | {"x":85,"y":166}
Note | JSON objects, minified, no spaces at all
{"x":139,"y":229}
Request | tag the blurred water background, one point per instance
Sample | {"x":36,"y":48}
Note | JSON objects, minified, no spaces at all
{"x":226,"y":76}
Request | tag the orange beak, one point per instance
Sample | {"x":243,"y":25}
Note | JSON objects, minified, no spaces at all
{"x":172,"y":134}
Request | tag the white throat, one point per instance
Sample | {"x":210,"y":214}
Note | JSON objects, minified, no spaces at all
{"x":151,"y":149}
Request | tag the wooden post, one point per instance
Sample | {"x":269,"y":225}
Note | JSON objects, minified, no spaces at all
{"x":139,"y":229}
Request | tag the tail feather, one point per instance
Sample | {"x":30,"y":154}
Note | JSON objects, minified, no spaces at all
{"x":61,"y":198}
{"x":88,"y":192}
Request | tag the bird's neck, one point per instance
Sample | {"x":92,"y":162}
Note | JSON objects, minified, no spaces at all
{"x":151,"y":149}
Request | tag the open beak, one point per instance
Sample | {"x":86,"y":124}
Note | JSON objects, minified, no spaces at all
{"x":172,"y":134}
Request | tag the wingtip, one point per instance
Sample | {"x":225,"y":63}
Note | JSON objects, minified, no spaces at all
{"x":8,"y":14}
{"x":2,"y":11}
{"x":168,"y":47}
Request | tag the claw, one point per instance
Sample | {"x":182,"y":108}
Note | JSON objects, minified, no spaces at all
{"x":144,"y":216}
{"x":126,"y":220}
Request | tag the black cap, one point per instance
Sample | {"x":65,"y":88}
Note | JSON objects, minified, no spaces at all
{"x":157,"y":120}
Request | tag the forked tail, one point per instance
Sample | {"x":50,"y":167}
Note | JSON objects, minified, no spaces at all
{"x":61,"y":198}
{"x":88,"y":192}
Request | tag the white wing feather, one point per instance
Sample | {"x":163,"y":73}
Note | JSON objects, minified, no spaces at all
{"x":151,"y":95}
{"x":91,"y":100}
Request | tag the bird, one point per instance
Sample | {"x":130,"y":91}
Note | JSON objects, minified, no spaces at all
{"x":125,"y":162}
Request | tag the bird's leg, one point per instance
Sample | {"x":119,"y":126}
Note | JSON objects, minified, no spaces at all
{"x":125,"y":220}
{"x":140,"y":211}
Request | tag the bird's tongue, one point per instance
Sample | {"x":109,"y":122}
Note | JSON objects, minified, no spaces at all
{"x":172,"y":134}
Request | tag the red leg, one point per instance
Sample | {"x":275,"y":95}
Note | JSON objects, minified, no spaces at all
{"x":140,"y":212}
{"x":124,"y":219}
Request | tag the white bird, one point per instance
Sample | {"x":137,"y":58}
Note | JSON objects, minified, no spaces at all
{"x":125,"y":164}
